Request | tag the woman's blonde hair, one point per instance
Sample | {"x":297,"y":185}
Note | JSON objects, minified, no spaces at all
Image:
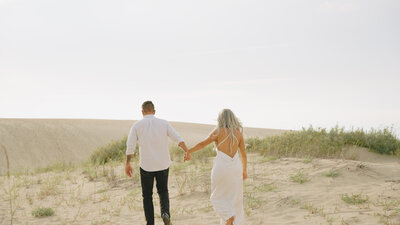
{"x":229,"y":122}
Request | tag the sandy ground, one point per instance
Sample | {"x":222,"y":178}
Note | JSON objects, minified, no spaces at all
{"x":278,"y":191}
{"x":35,"y":143}
{"x":106,"y":196}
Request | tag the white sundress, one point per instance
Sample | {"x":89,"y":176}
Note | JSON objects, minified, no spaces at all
{"x":227,"y":187}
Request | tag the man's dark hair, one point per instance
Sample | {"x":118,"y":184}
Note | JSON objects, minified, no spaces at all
{"x":148,"y":106}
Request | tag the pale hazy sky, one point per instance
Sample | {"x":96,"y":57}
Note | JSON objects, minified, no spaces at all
{"x":276,"y":64}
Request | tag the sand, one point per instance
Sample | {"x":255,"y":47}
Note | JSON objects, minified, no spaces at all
{"x":104,"y":195}
{"x":35,"y":143}
{"x":271,"y":197}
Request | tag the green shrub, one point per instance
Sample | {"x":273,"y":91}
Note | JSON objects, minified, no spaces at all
{"x":320,"y":143}
{"x":354,"y":199}
{"x":381,"y":141}
{"x":299,"y":177}
{"x":114,"y":151}
{"x":42,"y":212}
{"x":305,"y":143}
{"x":331,"y":173}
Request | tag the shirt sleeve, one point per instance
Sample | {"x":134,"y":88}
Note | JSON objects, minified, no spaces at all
{"x":173,"y":135}
{"x":131,"y":142}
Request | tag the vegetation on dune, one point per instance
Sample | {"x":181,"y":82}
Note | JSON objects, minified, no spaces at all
{"x":114,"y":151}
{"x":382,"y":141}
{"x":355,"y":199}
{"x":42,"y":212}
{"x":321,"y":143}
{"x":308,"y":143}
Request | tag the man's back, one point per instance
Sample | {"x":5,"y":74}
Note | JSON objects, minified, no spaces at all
{"x":152,"y":135}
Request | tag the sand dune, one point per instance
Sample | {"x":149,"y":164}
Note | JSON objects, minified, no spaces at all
{"x":107,"y":196}
{"x":273,"y":195}
{"x":39,"y":142}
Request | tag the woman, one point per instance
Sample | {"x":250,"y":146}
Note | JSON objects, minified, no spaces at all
{"x":228,"y":171}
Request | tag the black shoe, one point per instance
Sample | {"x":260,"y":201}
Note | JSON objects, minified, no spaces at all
{"x":166,"y":219}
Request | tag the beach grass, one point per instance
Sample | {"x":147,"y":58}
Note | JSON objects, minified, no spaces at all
{"x":42,"y":212}
{"x":331,"y":173}
{"x":300,"y":177}
{"x":354,"y":199}
{"x":323,"y":143}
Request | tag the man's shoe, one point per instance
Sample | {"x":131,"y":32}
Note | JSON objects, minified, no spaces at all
{"x":166,"y":219}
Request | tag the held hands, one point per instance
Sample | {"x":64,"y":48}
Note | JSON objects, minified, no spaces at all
{"x":187,"y":156}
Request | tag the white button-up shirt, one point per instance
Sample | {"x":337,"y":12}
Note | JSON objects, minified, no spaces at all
{"x":152,"y":135}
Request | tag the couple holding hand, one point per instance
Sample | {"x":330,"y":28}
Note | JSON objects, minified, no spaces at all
{"x":227,"y":175}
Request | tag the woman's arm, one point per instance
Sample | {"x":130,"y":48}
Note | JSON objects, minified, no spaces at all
{"x":204,"y":143}
{"x":242,"y":150}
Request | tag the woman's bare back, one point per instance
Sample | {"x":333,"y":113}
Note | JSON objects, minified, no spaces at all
{"x":223,"y":142}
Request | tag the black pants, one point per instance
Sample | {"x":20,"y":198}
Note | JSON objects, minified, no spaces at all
{"x":147,"y":180}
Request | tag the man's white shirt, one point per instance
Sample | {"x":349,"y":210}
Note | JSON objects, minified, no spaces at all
{"x":152,"y":135}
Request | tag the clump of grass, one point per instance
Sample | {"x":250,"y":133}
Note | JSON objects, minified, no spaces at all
{"x":354,"y":199}
{"x":306,"y":160}
{"x":321,"y":143}
{"x":253,"y":202}
{"x":12,"y":189}
{"x":331,"y":173}
{"x":313,"y":209}
{"x":42,"y":212}
{"x":114,"y":151}
{"x":311,"y":143}
{"x":299,"y":177}
{"x":381,"y":141}
{"x":49,"y":187}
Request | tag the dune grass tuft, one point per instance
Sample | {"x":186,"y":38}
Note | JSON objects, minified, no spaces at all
{"x":114,"y":151}
{"x":331,"y":173}
{"x":42,"y":212}
{"x":321,"y":143}
{"x":354,"y":199}
{"x":299,"y":177}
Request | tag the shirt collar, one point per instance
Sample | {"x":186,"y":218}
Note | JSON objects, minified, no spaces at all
{"x":149,"y":116}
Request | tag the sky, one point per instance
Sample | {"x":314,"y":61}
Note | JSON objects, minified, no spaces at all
{"x":282,"y":64}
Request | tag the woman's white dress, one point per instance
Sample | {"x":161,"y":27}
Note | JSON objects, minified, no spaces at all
{"x":227,"y":188}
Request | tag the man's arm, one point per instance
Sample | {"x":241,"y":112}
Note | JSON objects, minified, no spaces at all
{"x":130,"y":150}
{"x":128,"y":158}
{"x":183,"y":146}
{"x":173,"y":135}
{"x":131,"y":142}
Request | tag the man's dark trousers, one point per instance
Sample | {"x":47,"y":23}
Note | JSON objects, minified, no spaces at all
{"x":147,"y":180}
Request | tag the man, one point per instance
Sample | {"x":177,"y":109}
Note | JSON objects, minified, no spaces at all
{"x":152,"y":135}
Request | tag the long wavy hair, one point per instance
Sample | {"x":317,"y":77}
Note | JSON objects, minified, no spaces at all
{"x":229,"y":122}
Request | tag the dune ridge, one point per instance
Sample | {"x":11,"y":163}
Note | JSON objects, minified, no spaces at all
{"x":35,"y":143}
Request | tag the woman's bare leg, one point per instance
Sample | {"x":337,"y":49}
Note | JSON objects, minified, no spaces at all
{"x":230,"y":221}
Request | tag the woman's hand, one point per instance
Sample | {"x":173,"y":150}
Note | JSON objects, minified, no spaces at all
{"x":244,"y":175}
{"x":188,"y":156}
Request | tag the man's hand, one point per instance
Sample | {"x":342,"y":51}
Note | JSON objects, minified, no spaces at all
{"x":128,"y":169}
{"x":244,"y":175}
{"x":188,"y":156}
